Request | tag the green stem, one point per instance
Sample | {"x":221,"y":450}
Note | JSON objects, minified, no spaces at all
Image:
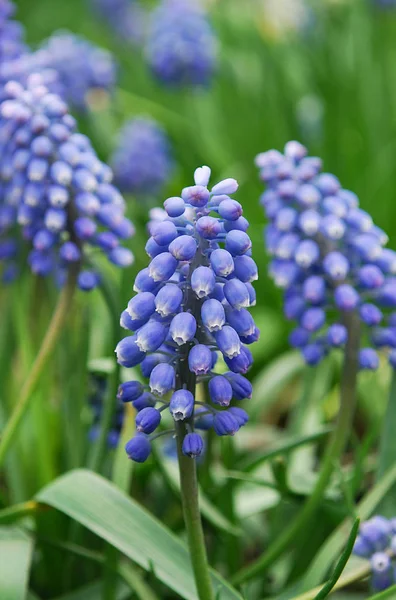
{"x":192,"y":518}
{"x":335,"y":448}
{"x":54,"y":330}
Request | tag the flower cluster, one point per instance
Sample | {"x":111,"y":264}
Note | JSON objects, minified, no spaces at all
{"x":328,"y":256}
{"x":99,"y":389}
{"x":125,"y":17}
{"x":192,"y":303}
{"x":142,"y":162}
{"x":377,"y":542}
{"x":81,"y":73}
{"x":53,"y":188}
{"x":180,"y":45}
{"x":11,"y":33}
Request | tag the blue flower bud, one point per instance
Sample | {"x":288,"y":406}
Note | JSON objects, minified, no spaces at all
{"x":196,"y":195}
{"x":168,"y":300}
{"x":163,"y":232}
{"x":208,"y":227}
{"x":183,"y":247}
{"x":362,"y":547}
{"x":147,"y":420}
{"x":237,"y":242}
{"x":332,"y":228}
{"x":144,"y":401}
{"x":240,"y":415}
{"x":182,"y":328}
{"x":245,"y":269}
{"x":237,"y":294}
{"x":307,"y":253}
{"x":225,"y":423}
{"x":242,"y":321}
{"x":387,"y":295}
{"x":285,"y":219}
{"x":222,"y":262}
{"x":228,"y":342}
{"x":227,"y":186}
{"x":240,"y":224}
{"x":84,"y":228}
{"x":299,"y":337}
{"x":346,"y":297}
{"x":162,"y":379}
{"x":142,"y":306}
{"x":55,"y":219}
{"x":203,"y":281}
{"x":368,"y":359}
{"x":328,"y":184}
{"x":337,"y":335}
{"x":69,"y":252}
{"x":313,"y":319}
{"x":313,"y":353}
{"x":129,"y":391}
{"x":220,"y":390}
{"x":381,"y":571}
{"x":153,"y":249}
{"x":181,"y":405}
{"x":200,"y":359}
{"x":149,"y":362}
{"x":383,"y":337}
{"x":359,"y":219}
{"x":87,"y":280}
{"x":309,"y":222}
{"x":314,"y":289}
{"x":230,"y":210}
{"x":213,"y":315}
{"x":370,"y":314}
{"x":192,"y":445}
{"x":336,"y":266}
{"x":162,"y":267}
{"x":138,"y":448}
{"x":240,"y":363}
{"x":241,"y":387}
{"x":370,"y":277}
{"x":128,"y":352}
{"x":150,"y":337}
{"x":293,"y":306}
{"x":202,"y":175}
{"x":175,"y":206}
{"x":308,"y":195}
{"x":122,"y":257}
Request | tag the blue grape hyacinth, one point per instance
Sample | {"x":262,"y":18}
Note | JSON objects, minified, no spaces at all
{"x":328,"y":257}
{"x":191,"y":305}
{"x":376,"y":541}
{"x":56,"y":196}
{"x":142,"y":162}
{"x":180,"y":44}
{"x":11,"y":33}
{"x":98,"y":390}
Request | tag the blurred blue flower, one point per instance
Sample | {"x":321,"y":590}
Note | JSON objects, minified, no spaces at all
{"x":99,"y":387}
{"x":11,"y":33}
{"x":328,"y":256}
{"x":127,"y":18}
{"x":376,"y":541}
{"x":180,"y":45}
{"x":56,"y":197}
{"x":142,"y":162}
{"x":190,"y":305}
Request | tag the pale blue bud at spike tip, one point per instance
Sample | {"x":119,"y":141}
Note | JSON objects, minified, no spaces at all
{"x":327,"y":256}
{"x":192,"y":303}
{"x":66,"y":203}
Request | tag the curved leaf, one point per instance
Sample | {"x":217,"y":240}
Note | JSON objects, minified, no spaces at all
{"x":16,"y":554}
{"x":104,"y":509}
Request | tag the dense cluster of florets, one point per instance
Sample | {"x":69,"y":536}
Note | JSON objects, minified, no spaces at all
{"x":180,"y":45}
{"x":377,"y":542}
{"x":192,"y":303}
{"x":11,"y":33}
{"x":328,"y":256}
{"x":142,"y":162}
{"x":125,"y":17}
{"x":55,"y":193}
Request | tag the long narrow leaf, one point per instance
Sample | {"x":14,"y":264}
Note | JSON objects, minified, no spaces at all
{"x":15,"y":557}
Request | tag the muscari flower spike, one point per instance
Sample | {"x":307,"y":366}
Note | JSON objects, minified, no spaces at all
{"x":142,"y":162}
{"x":191,"y":304}
{"x":180,"y":45}
{"x":54,"y":191}
{"x":328,"y":257}
{"x":376,"y":542}
{"x":11,"y":33}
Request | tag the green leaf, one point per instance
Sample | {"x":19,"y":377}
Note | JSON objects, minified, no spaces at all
{"x":16,"y":554}
{"x":93,"y":591}
{"x":208,"y":510}
{"x":101,"y":507}
{"x":270,"y":382}
{"x":389,"y":593}
{"x":387,"y":451}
